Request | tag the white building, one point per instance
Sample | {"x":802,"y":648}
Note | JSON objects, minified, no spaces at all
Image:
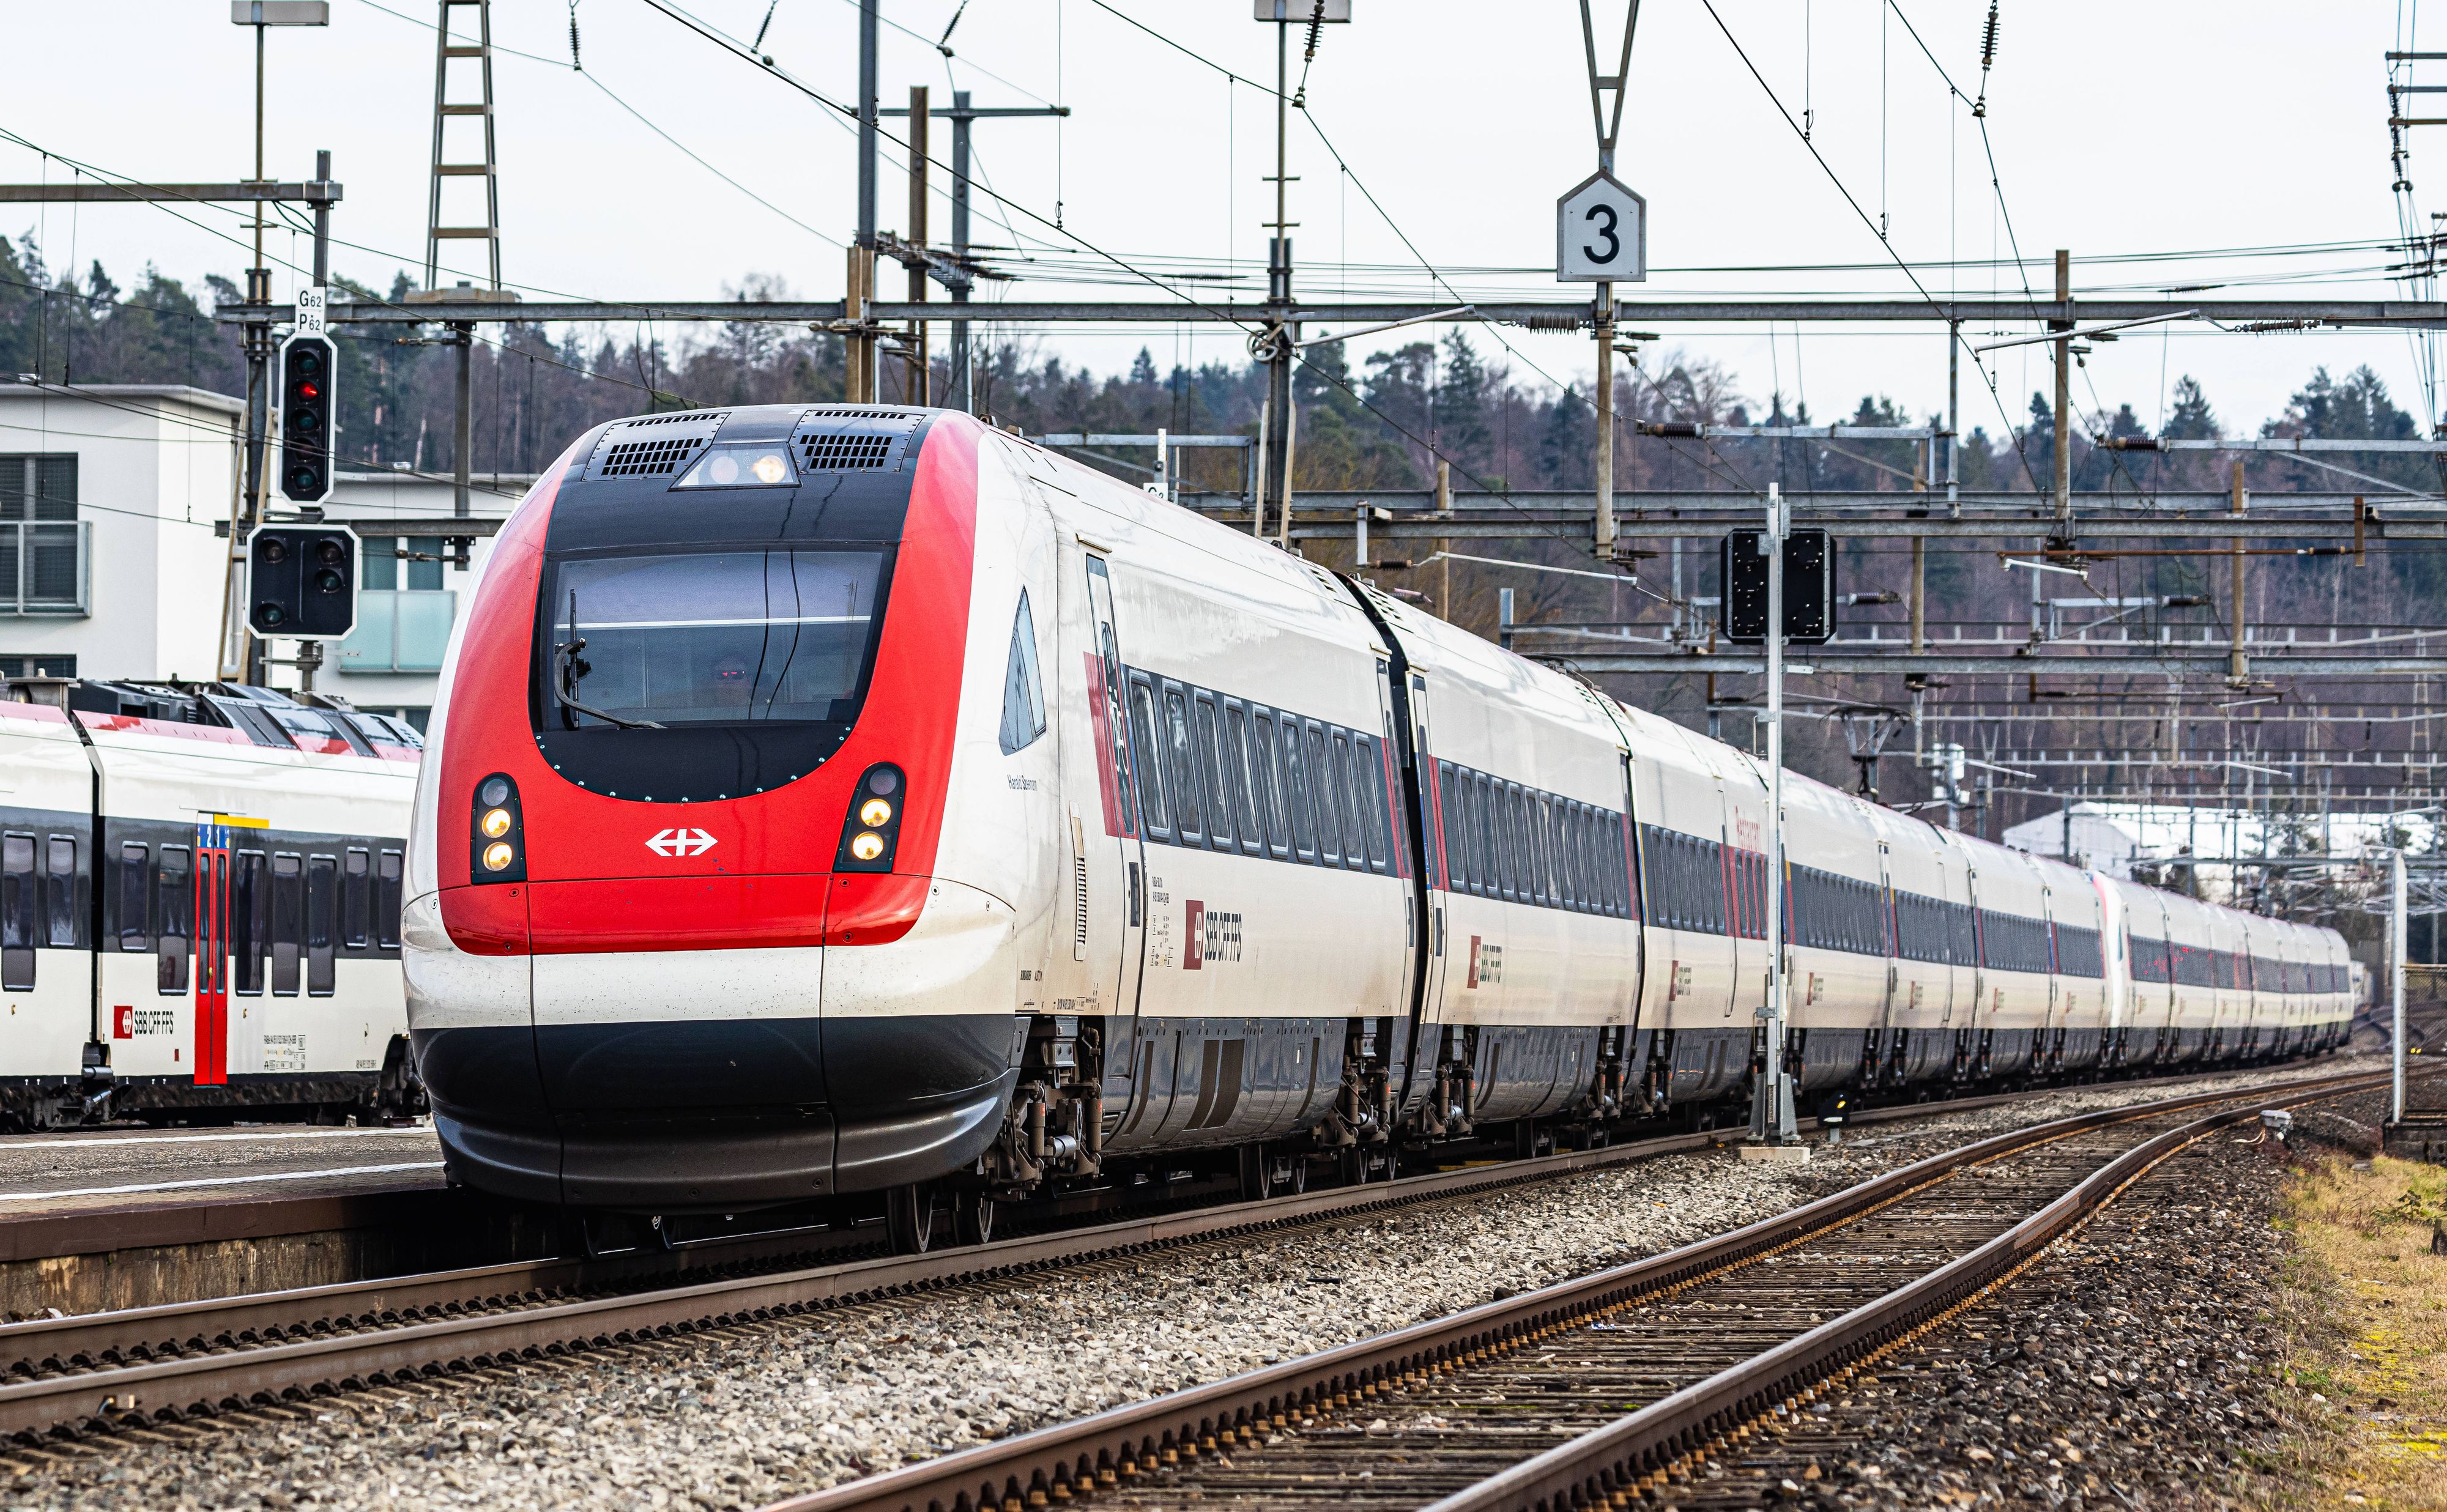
{"x":115,"y":505}
{"x":109,"y":566}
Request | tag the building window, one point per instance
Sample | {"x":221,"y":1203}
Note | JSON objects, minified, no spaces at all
{"x":42,"y":543}
{"x":404,"y":614}
{"x":38,"y":665}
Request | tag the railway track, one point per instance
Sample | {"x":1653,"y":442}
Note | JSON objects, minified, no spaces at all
{"x":141,"y":1366}
{"x":1604,"y":1391}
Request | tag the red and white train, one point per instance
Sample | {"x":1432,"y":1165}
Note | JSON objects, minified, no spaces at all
{"x":200,"y":902}
{"x":845,"y":799}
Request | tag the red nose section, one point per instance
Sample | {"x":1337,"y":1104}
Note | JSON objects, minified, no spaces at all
{"x":606,"y":873}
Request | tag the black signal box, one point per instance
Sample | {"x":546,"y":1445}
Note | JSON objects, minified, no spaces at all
{"x":302,"y":581}
{"x":308,"y":426}
{"x":1809,"y":587}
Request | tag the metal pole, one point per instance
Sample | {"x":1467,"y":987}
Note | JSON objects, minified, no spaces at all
{"x":1280,"y":356}
{"x":1771,"y":1120}
{"x":866,"y":133}
{"x":2238,"y":668}
{"x":322,"y":223}
{"x":2065,"y":393}
{"x":921,"y":375}
{"x":1504,"y":617}
{"x":2396,"y":952}
{"x":963,"y":391}
{"x":465,"y":338}
{"x":1606,"y":422}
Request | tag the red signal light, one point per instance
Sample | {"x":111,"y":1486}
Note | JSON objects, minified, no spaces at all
{"x":309,"y":389}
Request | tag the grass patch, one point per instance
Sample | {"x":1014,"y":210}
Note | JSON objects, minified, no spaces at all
{"x":2367,"y":1379}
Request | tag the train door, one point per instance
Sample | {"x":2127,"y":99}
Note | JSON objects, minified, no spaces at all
{"x":1128,"y":1071}
{"x":1966,"y":1037}
{"x":1884,"y":1031}
{"x":1423,"y":965}
{"x":211,"y":966}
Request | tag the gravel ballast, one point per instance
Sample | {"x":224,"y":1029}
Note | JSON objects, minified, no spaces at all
{"x":2134,"y":1365}
{"x":737,"y":1417}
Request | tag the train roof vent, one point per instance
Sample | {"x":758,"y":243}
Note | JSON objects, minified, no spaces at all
{"x":848,"y":438}
{"x":653,"y":445}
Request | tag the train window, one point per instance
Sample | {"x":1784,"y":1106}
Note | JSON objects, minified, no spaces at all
{"x":1370,"y":766}
{"x":1568,"y":883}
{"x":1023,"y":690}
{"x":20,"y":913}
{"x":1325,"y":793}
{"x":250,"y":921}
{"x":1152,"y":813}
{"x":1266,"y":772}
{"x":387,"y":900}
{"x":1181,"y":769}
{"x":1210,"y":771}
{"x":1355,"y":804}
{"x":1614,"y":867}
{"x":1534,"y":827}
{"x":322,"y":924}
{"x":174,"y":885}
{"x":1520,"y":806}
{"x":135,"y":898}
{"x":288,"y":922}
{"x":1296,"y":789}
{"x":1241,"y":775}
{"x":356,"y":898}
{"x":60,"y":910}
{"x":706,"y":673}
{"x":1449,"y":847}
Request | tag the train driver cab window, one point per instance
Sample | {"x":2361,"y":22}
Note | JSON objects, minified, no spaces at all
{"x":1023,"y":690}
{"x":174,"y":885}
{"x":686,"y":675}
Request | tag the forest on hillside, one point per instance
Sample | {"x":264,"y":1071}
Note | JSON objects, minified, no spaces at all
{"x":1376,"y":421}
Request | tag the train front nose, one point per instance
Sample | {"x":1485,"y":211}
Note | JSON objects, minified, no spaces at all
{"x":729,"y":1078}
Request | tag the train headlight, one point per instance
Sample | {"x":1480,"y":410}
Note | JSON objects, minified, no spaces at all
{"x":497,"y":840}
{"x":871,"y":830}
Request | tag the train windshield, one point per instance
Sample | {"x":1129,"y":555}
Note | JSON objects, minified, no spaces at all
{"x":682,"y":675}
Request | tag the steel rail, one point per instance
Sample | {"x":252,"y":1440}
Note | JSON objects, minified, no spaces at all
{"x":1077,"y":1458}
{"x":233,"y":1351}
{"x":1638,"y":1453}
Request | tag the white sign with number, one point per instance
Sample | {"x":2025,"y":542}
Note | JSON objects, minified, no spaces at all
{"x":1601,"y":233}
{"x":311,"y":303}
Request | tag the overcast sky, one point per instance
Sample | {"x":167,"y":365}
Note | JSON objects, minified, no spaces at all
{"x":2117,"y":129}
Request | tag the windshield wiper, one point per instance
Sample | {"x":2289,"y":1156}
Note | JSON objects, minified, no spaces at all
{"x":568,"y":667}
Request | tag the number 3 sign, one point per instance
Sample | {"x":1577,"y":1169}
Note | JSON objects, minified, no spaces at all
{"x":1601,"y":233}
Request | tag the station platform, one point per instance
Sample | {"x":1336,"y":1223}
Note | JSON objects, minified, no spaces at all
{"x":93,"y":1219}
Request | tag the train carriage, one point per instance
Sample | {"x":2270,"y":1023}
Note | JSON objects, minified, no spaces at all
{"x":202,"y":892}
{"x":845,"y":799}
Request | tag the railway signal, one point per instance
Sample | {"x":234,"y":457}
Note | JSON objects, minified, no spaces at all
{"x":307,"y":423}
{"x":1809,"y":587}
{"x":302,"y":581}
